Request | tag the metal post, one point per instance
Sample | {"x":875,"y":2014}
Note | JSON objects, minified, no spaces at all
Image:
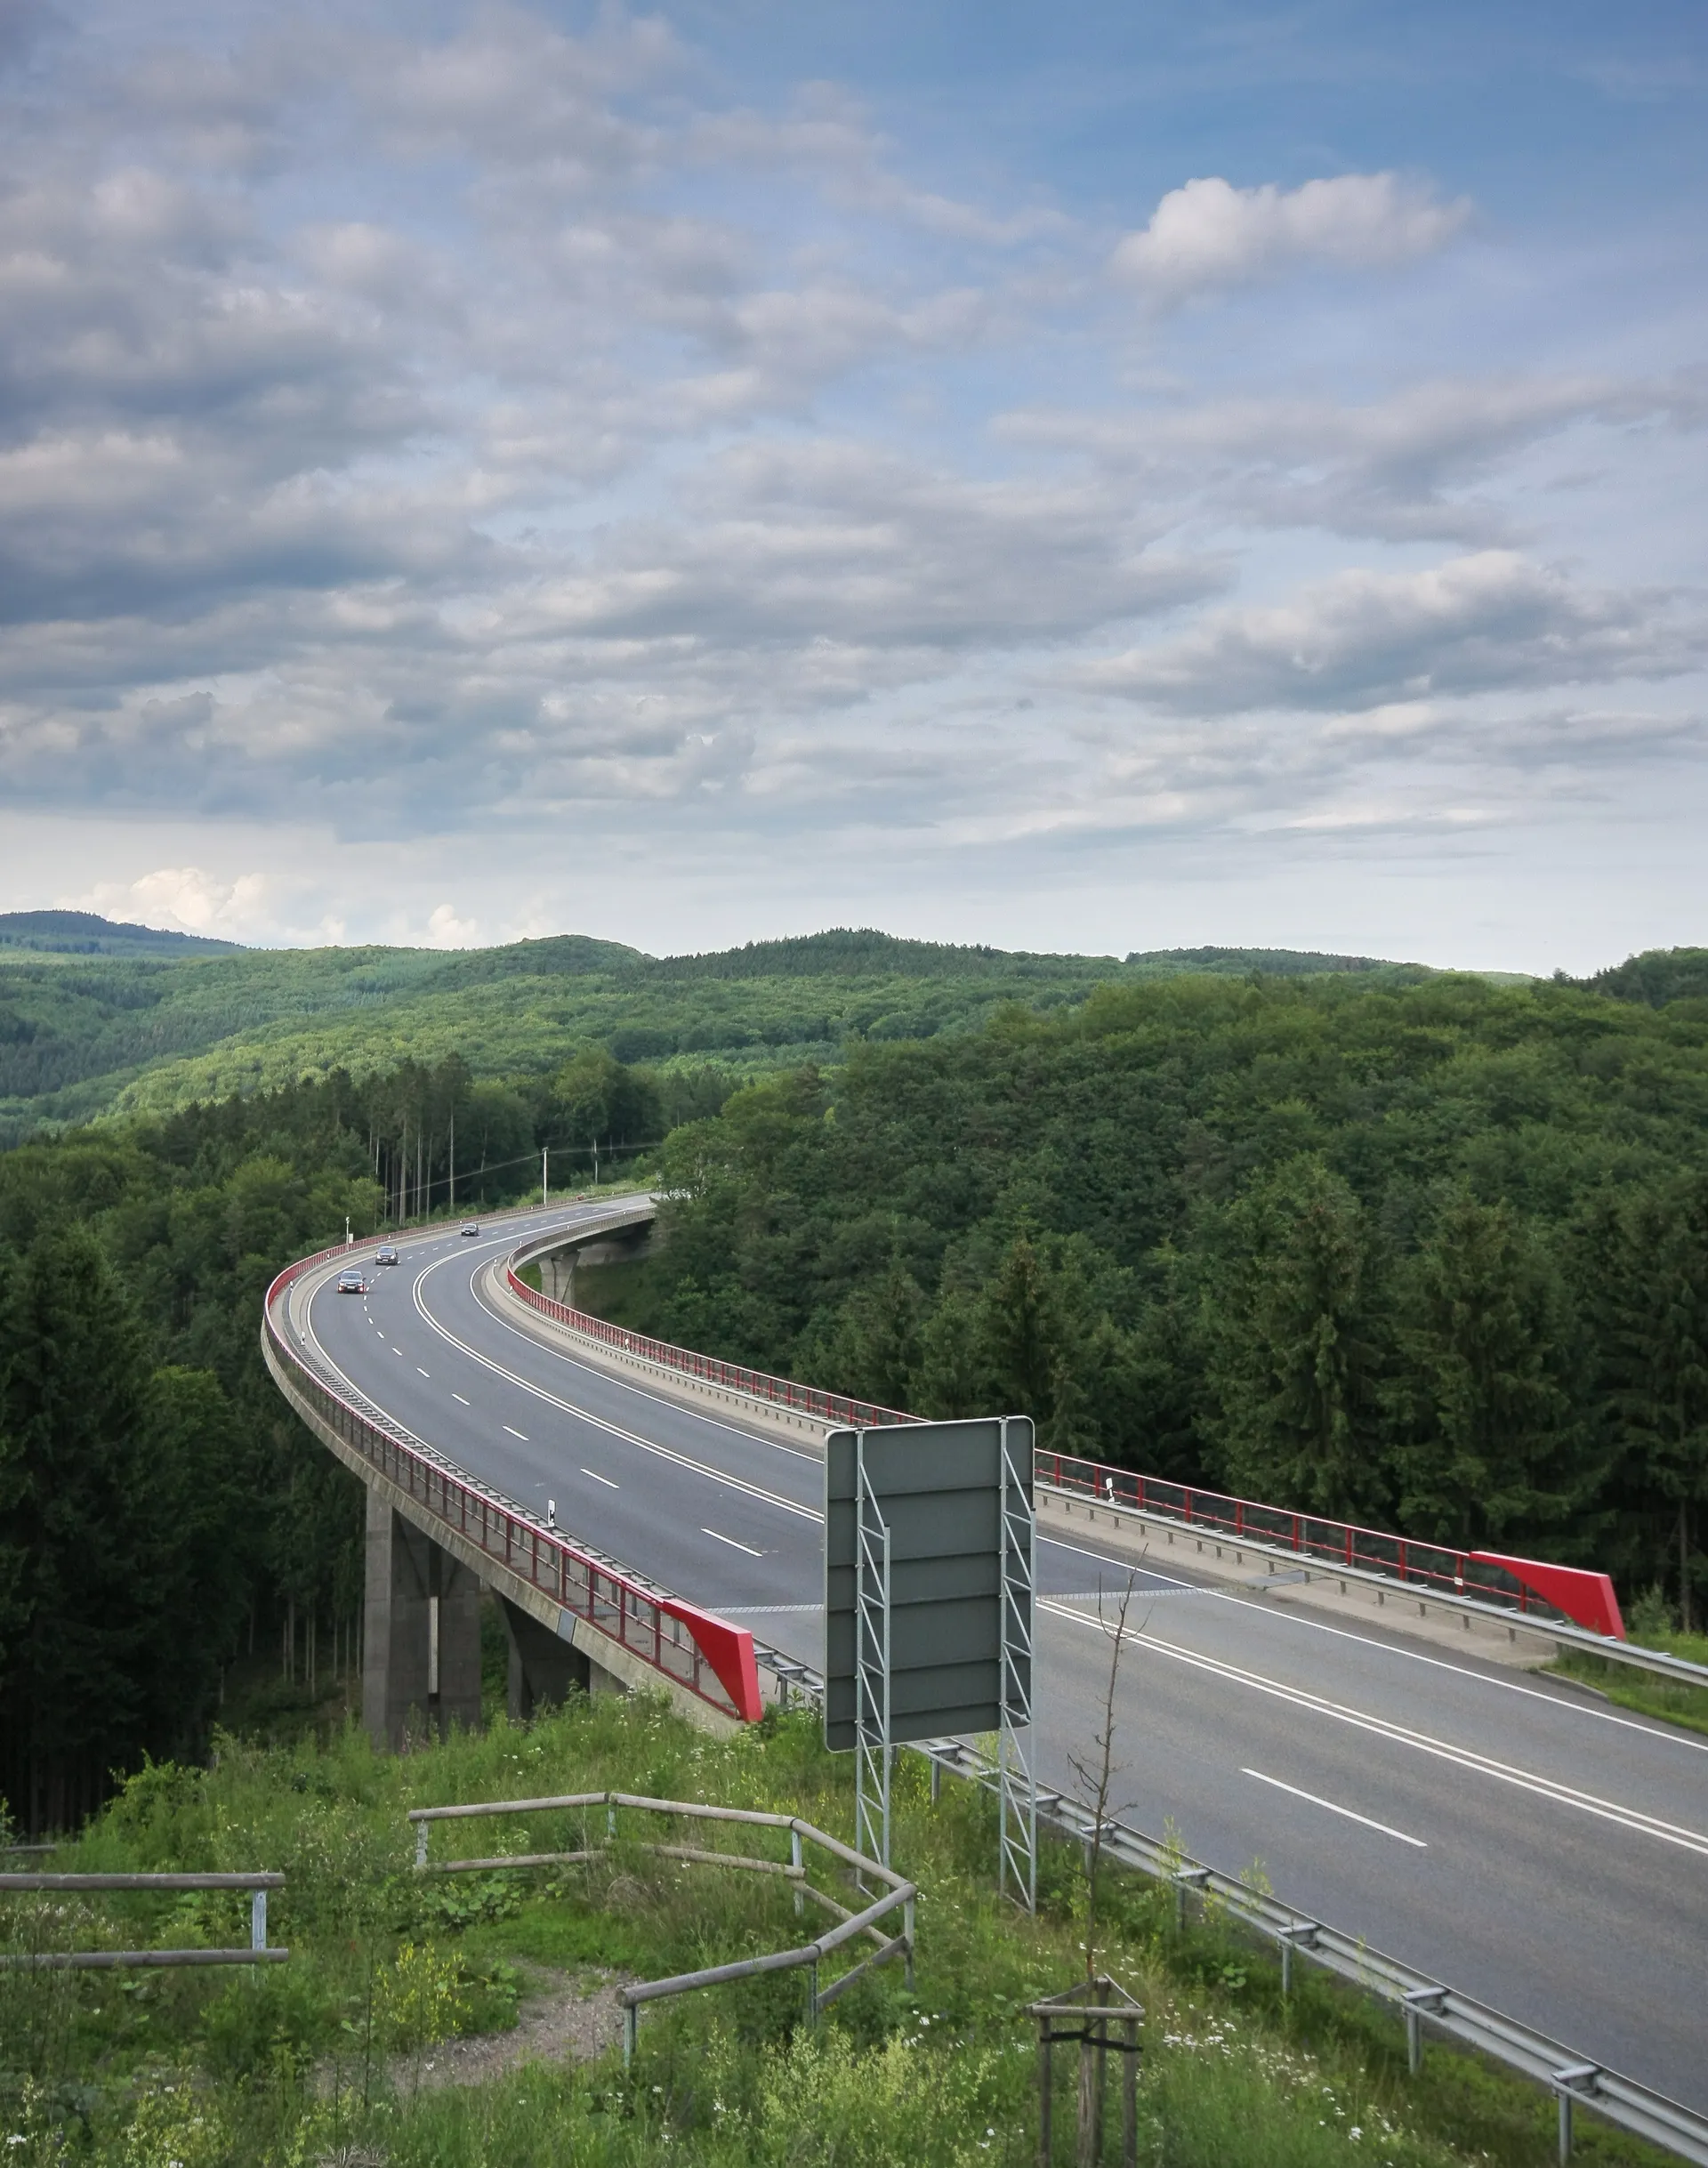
{"x":908,"y":1930}
{"x":1565,"y":2126}
{"x":1044,"y":2093}
{"x":795,"y":1862}
{"x":812,"y":1998}
{"x":258,"y":1921}
{"x":937,"y":1780}
{"x":1286,"y":1966}
{"x":872,"y":1752}
{"x":1130,"y":2094}
{"x":420,"y":1843}
{"x":1017,"y":1780}
{"x":1413,"y":2039}
{"x":631,"y":2013}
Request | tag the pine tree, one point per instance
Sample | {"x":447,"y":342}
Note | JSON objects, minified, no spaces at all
{"x":1658,"y":1357}
{"x":1290,"y":1316}
{"x":1487,"y":1436}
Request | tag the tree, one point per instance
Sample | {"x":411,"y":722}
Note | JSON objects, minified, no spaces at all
{"x":1486,"y":1432}
{"x":1294,"y":1365}
{"x":1025,"y":1333}
{"x":1657,"y":1358}
{"x":874,"y":1351}
{"x":124,"y":1509}
{"x":953,"y":1377}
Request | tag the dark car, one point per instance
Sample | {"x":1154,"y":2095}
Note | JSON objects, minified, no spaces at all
{"x":352,"y":1283}
{"x":471,"y":1226}
{"x":386,"y":1255}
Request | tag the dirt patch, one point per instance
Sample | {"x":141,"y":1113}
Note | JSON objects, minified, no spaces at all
{"x":563,"y":2018}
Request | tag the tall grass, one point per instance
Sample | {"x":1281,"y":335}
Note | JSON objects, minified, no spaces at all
{"x":318,"y":2060}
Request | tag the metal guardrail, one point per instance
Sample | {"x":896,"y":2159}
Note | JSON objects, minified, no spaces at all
{"x":1632,"y":1656}
{"x":1576,"y":2080}
{"x":693,"y":1648}
{"x":258,"y":1953}
{"x":1489,"y":1576}
{"x":1574,"y":1606}
{"x":808,"y":1400}
{"x":900,"y":1893}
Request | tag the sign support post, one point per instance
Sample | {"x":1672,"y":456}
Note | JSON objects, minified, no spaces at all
{"x":1016,"y":1777}
{"x":872,"y":1752}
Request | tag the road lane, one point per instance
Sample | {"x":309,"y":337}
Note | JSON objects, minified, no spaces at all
{"x":1561,"y":1863}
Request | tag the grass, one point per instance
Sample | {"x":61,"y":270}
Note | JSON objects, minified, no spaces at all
{"x":1642,"y":1691}
{"x":310,"y":2061}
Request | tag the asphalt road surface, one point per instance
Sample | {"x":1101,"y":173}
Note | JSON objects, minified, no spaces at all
{"x":1528,"y":1843}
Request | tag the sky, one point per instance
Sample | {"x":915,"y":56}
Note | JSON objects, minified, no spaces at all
{"x":1074,"y":476}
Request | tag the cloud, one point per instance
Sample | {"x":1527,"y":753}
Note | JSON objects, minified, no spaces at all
{"x":1415,"y":464}
{"x":1210,"y":234}
{"x":1362,"y":639}
{"x":445,"y":930}
{"x":183,"y":900}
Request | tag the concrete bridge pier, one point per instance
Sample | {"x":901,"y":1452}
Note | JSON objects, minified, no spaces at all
{"x":543,"y":1666}
{"x":421,"y":1660}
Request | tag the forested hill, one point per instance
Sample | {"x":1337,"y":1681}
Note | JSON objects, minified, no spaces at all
{"x":83,"y":933}
{"x":95,"y":1033}
{"x":1432,"y":1257}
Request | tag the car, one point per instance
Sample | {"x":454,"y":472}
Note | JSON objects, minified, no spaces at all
{"x":471,"y":1226}
{"x":352,"y":1283}
{"x":386,"y":1255}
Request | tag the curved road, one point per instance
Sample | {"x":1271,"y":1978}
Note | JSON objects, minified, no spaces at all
{"x":1532,"y":1845}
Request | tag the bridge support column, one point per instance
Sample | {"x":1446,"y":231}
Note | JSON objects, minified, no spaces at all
{"x":543,"y":1667}
{"x":421,"y":1659}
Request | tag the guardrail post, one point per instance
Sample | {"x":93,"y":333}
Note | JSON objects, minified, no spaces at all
{"x":630,"y":2015}
{"x":812,"y":1998}
{"x":796,"y":1862}
{"x":258,"y":1920}
{"x":908,"y":1930}
{"x":1565,"y":2126}
{"x":421,"y":1844}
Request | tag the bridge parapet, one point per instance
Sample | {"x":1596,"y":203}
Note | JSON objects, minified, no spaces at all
{"x":635,"y":1634}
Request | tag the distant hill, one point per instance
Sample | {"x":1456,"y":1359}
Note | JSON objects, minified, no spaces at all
{"x":1656,"y":978}
{"x":90,"y":1028}
{"x":82,"y":933}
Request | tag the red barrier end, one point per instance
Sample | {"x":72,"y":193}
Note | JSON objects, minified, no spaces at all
{"x":1587,"y":1599}
{"x":728,"y":1651}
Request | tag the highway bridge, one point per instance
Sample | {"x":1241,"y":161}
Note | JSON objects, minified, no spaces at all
{"x":1504,"y":1831}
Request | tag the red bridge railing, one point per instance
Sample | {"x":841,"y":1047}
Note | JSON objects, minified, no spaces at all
{"x":693,"y":1648}
{"x":1491,"y":1576}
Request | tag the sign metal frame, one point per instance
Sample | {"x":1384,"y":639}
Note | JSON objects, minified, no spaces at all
{"x":929,"y":1600}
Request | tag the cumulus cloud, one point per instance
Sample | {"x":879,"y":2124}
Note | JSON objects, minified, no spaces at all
{"x":183,"y":900}
{"x":1211,"y":234}
{"x":1361,"y":639}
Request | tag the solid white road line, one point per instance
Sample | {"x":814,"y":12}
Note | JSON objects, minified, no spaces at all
{"x":458,"y":1395}
{"x":1333,"y":1808}
{"x":597,"y":1477}
{"x":521,"y":1434}
{"x":612,"y":1377}
{"x":613,"y":1430}
{"x":733,"y":1545}
{"x":420,"y":1372}
{"x":1442,"y":1750}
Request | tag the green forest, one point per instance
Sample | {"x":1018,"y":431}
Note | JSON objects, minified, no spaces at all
{"x":96,"y":1023}
{"x":1426,"y":1250}
{"x":1429,"y":1257}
